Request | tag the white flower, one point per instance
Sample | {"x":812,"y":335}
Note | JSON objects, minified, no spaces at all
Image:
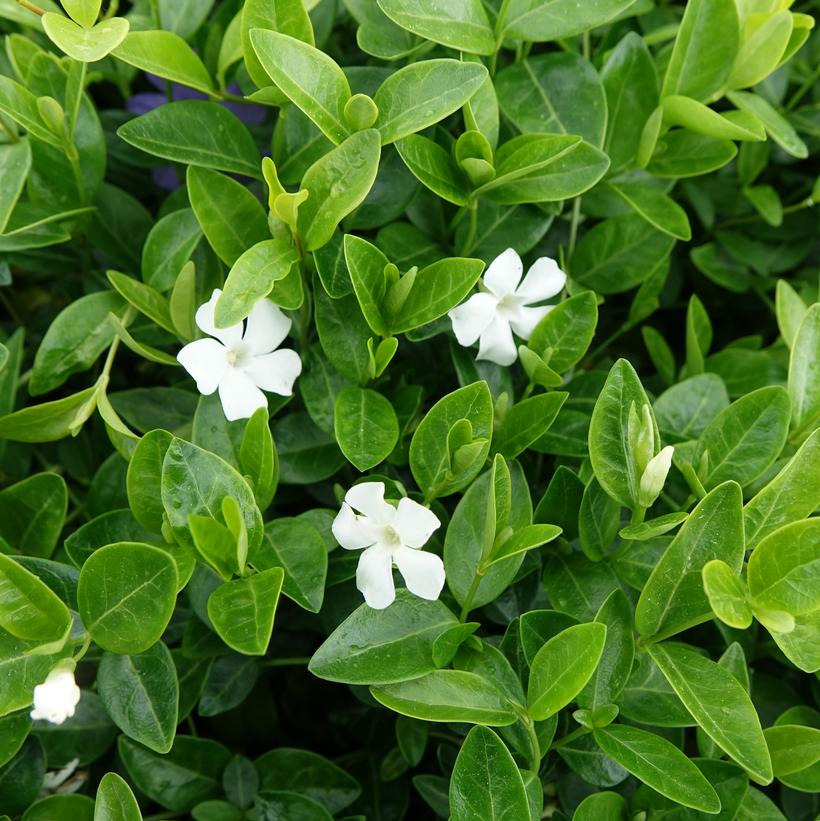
{"x":56,"y":698}
{"x":239,"y":364}
{"x":654,"y":476}
{"x":505,"y":306}
{"x":389,"y":534}
{"x":54,"y":779}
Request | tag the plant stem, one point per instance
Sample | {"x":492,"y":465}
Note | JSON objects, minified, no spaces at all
{"x":472,"y":227}
{"x":12,"y":135}
{"x":799,"y":94}
{"x":562,"y":742}
{"x":535,"y":746}
{"x":573,"y":226}
{"x":295,"y":661}
{"x":638,"y":515}
{"x":31,"y":7}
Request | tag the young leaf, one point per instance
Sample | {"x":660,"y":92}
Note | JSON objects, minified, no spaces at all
{"x":366,"y":427}
{"x":534,"y":21}
{"x":115,"y":801}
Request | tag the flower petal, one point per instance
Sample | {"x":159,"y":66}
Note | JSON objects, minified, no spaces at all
{"x":543,"y":280}
{"x":352,"y":532}
{"x":275,"y":372}
{"x":239,"y":396}
{"x":205,"y":360}
{"x":471,"y":318}
{"x":374,"y":577}
{"x":267,"y":328}
{"x":205,"y":320}
{"x":368,"y":498}
{"x":497,"y":343}
{"x":423,"y":572}
{"x":414,"y":523}
{"x":504,"y":273}
{"x":525,"y":319}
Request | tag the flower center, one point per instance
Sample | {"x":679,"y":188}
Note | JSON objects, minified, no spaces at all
{"x":237,"y":355}
{"x":390,"y":537}
{"x":508,"y":305}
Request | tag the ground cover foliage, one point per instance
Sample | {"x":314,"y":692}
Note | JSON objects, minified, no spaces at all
{"x":605,"y":601}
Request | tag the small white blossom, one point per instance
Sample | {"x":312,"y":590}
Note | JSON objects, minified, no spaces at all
{"x":55,"y":780}
{"x":389,"y":534}
{"x":654,"y":476}
{"x":239,"y":363}
{"x":505,"y":304}
{"x":57,"y":697}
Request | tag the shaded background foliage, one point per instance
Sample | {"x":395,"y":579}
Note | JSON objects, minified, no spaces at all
{"x":701,"y":246}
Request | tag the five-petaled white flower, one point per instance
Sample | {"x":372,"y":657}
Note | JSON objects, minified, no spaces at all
{"x":57,"y":697}
{"x":389,"y":534}
{"x":239,"y":364}
{"x":505,"y":306}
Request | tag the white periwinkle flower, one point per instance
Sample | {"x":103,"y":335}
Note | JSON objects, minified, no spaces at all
{"x":239,"y":363}
{"x":57,"y":697}
{"x":505,"y":304}
{"x":654,"y":476}
{"x":388,"y":534}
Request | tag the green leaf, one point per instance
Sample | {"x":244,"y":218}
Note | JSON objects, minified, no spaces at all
{"x":60,"y":808}
{"x":619,"y":253}
{"x":776,"y":125}
{"x":685,"y":154}
{"x":534,"y":168}
{"x":599,"y":518}
{"x":684,"y":411}
{"x":74,"y":340}
{"x":144,"y":298}
{"x":84,"y":12}
{"x":421,"y":94}
{"x":242,"y":611}
{"x":144,"y":474}
{"x":434,"y":167}
{"x":788,"y":497}
{"x":310,"y":78}
{"x":568,"y":330}
{"x":804,"y":373}
{"x":366,"y":427}
{"x":126,"y":595}
{"x":50,"y":421}
{"x":231,"y":217}
{"x":601,"y":806}
{"x":486,"y":783}
{"x":726,"y":594}
{"x":527,"y":421}
{"x":85,"y":45}
{"x":562,"y":667}
{"x":337,"y":183}
{"x":705,"y":49}
{"x":653,"y":528}
{"x":554,"y":93}
{"x":430,"y":459}
{"x":609,"y":448}
{"x":784,"y":569}
{"x":296,"y":546}
{"x":697,"y":117}
{"x":448,"y":695}
{"x":366,"y":265}
{"x":535,"y":21}
{"x":15,"y":164}
{"x":462,"y":25}
{"x":383,"y":647}
{"x":32,"y":514}
{"x":673,"y":599}
{"x":435,"y":290}
{"x":115,"y":801}
{"x":190,"y":773}
{"x":141,"y":694}
{"x":761,"y":50}
{"x":167,"y":55}
{"x":195,"y":481}
{"x":252,"y":277}
{"x":719,"y":704}
{"x":28,"y":608}
{"x":168,"y":247}
{"x":656,"y":208}
{"x":658,"y":763}
{"x":197,"y":133}
{"x":613,"y":670}
{"x":743,"y":440}
{"x":258,"y":457}
{"x":792,"y":748}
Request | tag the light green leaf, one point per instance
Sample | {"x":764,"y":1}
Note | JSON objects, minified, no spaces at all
{"x":85,"y":45}
{"x":727,"y":594}
{"x":562,"y":667}
{"x":568,"y":330}
{"x":658,"y":209}
{"x":792,"y":747}
{"x":144,"y":298}
{"x":167,"y":55}
{"x":15,"y":163}
{"x":486,"y":783}
{"x":719,"y":704}
{"x":423,"y":93}
{"x":537,"y":21}
{"x":242,"y":611}
{"x":804,"y":373}
{"x":448,"y":695}
{"x":776,"y":125}
{"x":84,"y":12}
{"x":658,"y":763}
{"x":673,"y":599}
{"x":434,"y":167}
{"x":50,"y":421}
{"x":126,"y":596}
{"x":461,"y":24}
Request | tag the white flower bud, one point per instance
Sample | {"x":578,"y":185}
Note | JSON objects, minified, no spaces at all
{"x":56,"y":698}
{"x":653,"y":478}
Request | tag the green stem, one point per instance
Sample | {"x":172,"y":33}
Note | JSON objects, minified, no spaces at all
{"x":596,"y":352}
{"x":562,"y":742}
{"x":294,"y":661}
{"x":638,"y":515}
{"x":31,"y":7}
{"x":74,"y":112}
{"x":535,"y":746}
{"x":585,"y":49}
{"x":472,"y":227}
{"x":573,"y":226}
{"x":799,"y":94}
{"x":468,"y":601}
{"x":12,"y":135}
{"x":808,"y":202}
